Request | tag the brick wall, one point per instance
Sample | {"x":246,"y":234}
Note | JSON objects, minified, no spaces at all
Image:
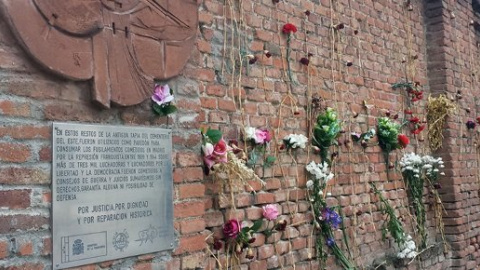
{"x":432,"y":42}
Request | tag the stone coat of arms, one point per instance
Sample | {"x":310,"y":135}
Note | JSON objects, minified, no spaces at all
{"x":121,"y":45}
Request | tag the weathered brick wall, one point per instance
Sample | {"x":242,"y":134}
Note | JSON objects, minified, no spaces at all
{"x":432,"y":42}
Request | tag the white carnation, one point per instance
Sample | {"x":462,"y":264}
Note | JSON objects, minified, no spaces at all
{"x":250,"y":133}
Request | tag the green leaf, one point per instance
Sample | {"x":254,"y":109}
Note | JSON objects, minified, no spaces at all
{"x":214,"y":135}
{"x":256,"y":225}
{"x":252,"y":160}
{"x":157,"y":109}
{"x":269,"y":161}
{"x":168,"y":109}
{"x":164,"y":110}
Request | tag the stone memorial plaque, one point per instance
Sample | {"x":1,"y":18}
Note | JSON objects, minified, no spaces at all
{"x":111,"y":192}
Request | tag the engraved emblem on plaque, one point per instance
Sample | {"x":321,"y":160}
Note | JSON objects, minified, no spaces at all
{"x":122,"y":45}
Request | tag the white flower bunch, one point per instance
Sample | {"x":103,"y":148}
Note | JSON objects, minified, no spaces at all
{"x":320,"y":171}
{"x":416,"y":164}
{"x":432,"y":166}
{"x":413,"y":163}
{"x":408,"y":249}
{"x":296,"y":141}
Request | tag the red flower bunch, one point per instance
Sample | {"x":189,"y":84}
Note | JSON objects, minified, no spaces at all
{"x":414,"y":120}
{"x":417,"y":130}
{"x":403,"y":140}
{"x":415,"y":94}
{"x":289,"y":29}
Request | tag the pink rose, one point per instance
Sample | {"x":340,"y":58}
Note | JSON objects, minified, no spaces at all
{"x":270,"y":211}
{"x":213,"y":154}
{"x":162,"y":94}
{"x":220,"y":149}
{"x":232,"y":228}
{"x":262,"y":136}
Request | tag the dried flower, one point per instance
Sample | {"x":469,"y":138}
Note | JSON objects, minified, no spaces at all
{"x":339,"y":26}
{"x":470,"y":124}
{"x":268,"y":54}
{"x":281,"y":225}
{"x":307,"y":12}
{"x":217,"y":244}
{"x":304,"y":61}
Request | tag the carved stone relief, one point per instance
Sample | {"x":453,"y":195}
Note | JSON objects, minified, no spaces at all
{"x":122,"y":45}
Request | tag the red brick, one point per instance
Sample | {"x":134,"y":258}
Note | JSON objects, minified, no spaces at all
{"x":25,"y":249}
{"x":25,"y":132}
{"x":192,"y":226}
{"x":262,"y":197}
{"x":15,"y":199}
{"x":191,"y":191}
{"x":213,"y":219}
{"x":46,"y":247}
{"x":191,"y":244}
{"x":11,"y":108}
{"x":189,"y":209}
{"x":190,"y":174}
{"x":4,"y":249}
{"x":80,"y":112}
{"x":10,"y":152}
{"x":143,"y":266}
{"x":20,"y":175}
{"x":9,"y":224}
{"x":189,"y":159}
{"x":226,"y":105}
{"x":265,"y":251}
{"x":27,"y":266}
{"x":45,"y":154}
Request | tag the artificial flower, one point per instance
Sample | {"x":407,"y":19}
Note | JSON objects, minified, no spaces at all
{"x":232,"y":228}
{"x":262,"y":136}
{"x":217,"y":244}
{"x":213,"y":154}
{"x":414,"y":120}
{"x":470,"y":124}
{"x":403,"y":140}
{"x":270,"y":211}
{"x":296,"y":141}
{"x":281,"y":225}
{"x":162,"y":94}
{"x":250,"y":133}
{"x":330,"y":241}
{"x":304,"y":61}
{"x":289,"y":28}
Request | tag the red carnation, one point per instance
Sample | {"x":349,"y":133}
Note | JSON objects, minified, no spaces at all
{"x":289,"y":28}
{"x":478,"y":119}
{"x":403,"y":140}
{"x":408,"y":112}
{"x":414,"y":120}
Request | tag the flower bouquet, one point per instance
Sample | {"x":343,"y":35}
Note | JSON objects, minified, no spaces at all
{"x":326,"y":131}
